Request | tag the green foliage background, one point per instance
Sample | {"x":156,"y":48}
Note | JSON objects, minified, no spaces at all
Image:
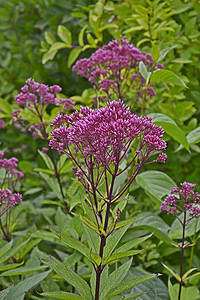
{"x":32,"y":45}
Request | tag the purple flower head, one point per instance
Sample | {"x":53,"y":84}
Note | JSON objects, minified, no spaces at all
{"x":8,"y":199}
{"x":182,"y":199}
{"x":11,"y":175}
{"x":2,"y":123}
{"x":114,"y":67}
{"x":66,"y":104}
{"x":103,"y":137}
{"x":34,"y":95}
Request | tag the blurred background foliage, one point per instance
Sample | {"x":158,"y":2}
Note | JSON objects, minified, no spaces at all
{"x":42,"y":40}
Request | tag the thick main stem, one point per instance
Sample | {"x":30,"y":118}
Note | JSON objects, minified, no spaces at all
{"x":182,"y":256}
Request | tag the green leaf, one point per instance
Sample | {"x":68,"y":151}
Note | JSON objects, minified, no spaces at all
{"x":178,"y":278}
{"x":71,"y":277}
{"x":72,"y":243}
{"x":47,"y":160}
{"x":12,"y":251}
{"x":10,"y":266}
{"x":133,"y":296}
{"x":57,"y":46}
{"x":49,"y":37}
{"x":154,"y":289}
{"x":6,"y":107}
{"x":154,"y":224}
{"x":62,"y":295}
{"x":89,"y":223}
{"x":175,"y":132}
{"x":5,"y":292}
{"x":49,"y":55}
{"x":5,"y":248}
{"x":129,"y":283}
{"x":95,"y":258}
{"x":25,"y":285}
{"x":156,"y":184}
{"x":191,"y":292}
{"x":92,"y":239}
{"x":64,"y":34}
{"x":73,"y":56}
{"x":22,"y":270}
{"x":184,"y":278}
{"x":143,"y":70}
{"x":166,"y":76}
{"x":164,"y":52}
{"x":192,"y":138}
{"x":114,"y":239}
{"x":53,"y":184}
{"x":116,"y":256}
{"x":134,"y":242}
{"x":155,"y":52}
{"x":115,"y":277}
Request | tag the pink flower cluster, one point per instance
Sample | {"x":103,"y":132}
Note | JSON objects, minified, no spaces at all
{"x":11,"y":175}
{"x":8,"y":199}
{"x":114,"y":68}
{"x":36,"y":97}
{"x":187,"y":201}
{"x":104,"y":136}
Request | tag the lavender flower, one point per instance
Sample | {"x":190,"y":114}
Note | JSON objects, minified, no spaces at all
{"x":185,"y":201}
{"x":8,"y":199}
{"x":114,"y":68}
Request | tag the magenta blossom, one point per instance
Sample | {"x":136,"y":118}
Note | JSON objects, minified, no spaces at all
{"x":2,"y":123}
{"x":182,"y":200}
{"x":114,"y":68}
{"x":36,"y":97}
{"x":10,"y":175}
{"x":8,"y":199}
{"x":101,"y":139}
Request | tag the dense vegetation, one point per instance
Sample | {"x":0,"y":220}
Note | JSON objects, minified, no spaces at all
{"x":84,"y":209}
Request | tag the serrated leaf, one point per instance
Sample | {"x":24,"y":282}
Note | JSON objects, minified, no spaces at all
{"x":134,"y":242}
{"x":12,"y":251}
{"x":5,"y":292}
{"x":92,"y":239}
{"x":129,"y":283}
{"x":114,"y":278}
{"x":22,"y":270}
{"x":71,"y":277}
{"x":64,"y":34}
{"x":114,"y":239}
{"x":10,"y":266}
{"x":25,"y":285}
{"x":116,"y":256}
{"x":95,"y":258}
{"x":166,"y":76}
{"x":62,"y":295}
{"x":5,"y":248}
{"x":89,"y":223}
{"x":72,"y":243}
{"x":73,"y":56}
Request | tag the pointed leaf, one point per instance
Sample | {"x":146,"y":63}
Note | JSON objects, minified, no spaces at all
{"x":71,"y":277}
{"x":47,"y":160}
{"x":57,"y":46}
{"x":10,"y":266}
{"x":5,"y":248}
{"x":80,"y":36}
{"x":166,"y":76}
{"x":115,"y":257}
{"x":129,"y":283}
{"x":115,"y":277}
{"x":5,"y":292}
{"x":12,"y":251}
{"x":92,"y":239}
{"x":64,"y":34}
{"x":25,"y":285}
{"x":164,"y":52}
{"x":62,"y":295}
{"x":114,"y":239}
{"x":156,"y":184}
{"x":73,"y":56}
{"x":172,"y":272}
{"x":132,"y":243}
{"x":23,"y":270}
